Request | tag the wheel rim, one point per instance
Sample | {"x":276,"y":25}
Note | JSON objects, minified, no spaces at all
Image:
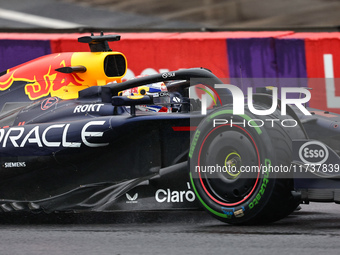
{"x":230,"y":187}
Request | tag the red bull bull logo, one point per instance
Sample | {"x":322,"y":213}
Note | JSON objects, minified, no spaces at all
{"x":41,"y":77}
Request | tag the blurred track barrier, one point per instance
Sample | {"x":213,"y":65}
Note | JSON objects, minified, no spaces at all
{"x":289,"y":58}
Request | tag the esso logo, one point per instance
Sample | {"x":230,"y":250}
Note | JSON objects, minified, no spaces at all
{"x":313,"y":152}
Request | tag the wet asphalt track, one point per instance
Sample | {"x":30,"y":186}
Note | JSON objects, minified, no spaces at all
{"x":313,"y":230}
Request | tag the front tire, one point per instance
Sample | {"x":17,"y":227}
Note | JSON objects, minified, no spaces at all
{"x":230,"y":162}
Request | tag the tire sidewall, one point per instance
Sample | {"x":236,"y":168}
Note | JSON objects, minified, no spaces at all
{"x":254,"y":202}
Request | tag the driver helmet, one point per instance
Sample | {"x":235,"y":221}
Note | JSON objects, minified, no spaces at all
{"x":161,"y":97}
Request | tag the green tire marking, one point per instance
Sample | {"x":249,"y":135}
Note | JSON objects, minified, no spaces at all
{"x":204,"y":204}
{"x":194,"y":142}
{"x":267,"y":162}
{"x":265,"y":181}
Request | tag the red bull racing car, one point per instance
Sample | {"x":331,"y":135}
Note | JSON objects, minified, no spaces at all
{"x":75,"y":138}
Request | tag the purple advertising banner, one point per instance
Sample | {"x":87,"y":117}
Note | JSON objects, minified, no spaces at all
{"x":16,"y":52}
{"x":291,"y":62}
{"x":251,"y":58}
{"x":290,"y":58}
{"x":261,"y":62}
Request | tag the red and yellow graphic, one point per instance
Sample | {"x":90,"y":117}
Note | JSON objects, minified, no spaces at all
{"x":41,"y":76}
{"x":43,"y":80}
